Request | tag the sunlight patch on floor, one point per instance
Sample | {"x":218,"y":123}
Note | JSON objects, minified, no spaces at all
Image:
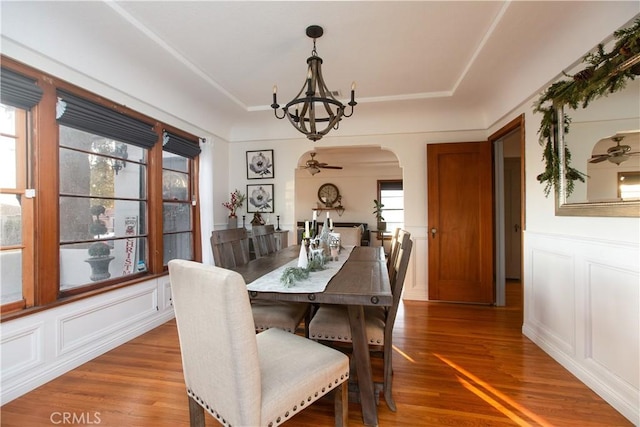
{"x":475,"y":384}
{"x":403,"y":354}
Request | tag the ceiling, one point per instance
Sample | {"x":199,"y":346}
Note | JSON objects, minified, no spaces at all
{"x":419,"y":66}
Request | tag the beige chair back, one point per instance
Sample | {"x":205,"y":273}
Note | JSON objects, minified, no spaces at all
{"x":239,"y":377}
{"x":264,"y":240}
{"x":230,"y":247}
{"x":217,"y":339}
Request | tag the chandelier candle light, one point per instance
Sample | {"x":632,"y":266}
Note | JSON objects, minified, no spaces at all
{"x":315,"y":110}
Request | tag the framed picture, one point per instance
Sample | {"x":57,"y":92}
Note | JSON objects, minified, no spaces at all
{"x":260,"y":164}
{"x":260,"y":198}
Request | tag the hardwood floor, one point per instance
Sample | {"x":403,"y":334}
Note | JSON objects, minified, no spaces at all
{"x":455,"y":365}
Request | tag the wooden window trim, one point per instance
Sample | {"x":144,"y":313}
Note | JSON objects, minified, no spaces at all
{"x":43,"y":292}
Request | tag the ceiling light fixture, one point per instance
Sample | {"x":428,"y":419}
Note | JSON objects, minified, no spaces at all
{"x":315,"y":110}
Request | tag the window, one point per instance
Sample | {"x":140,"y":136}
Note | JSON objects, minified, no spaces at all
{"x":177,"y":197}
{"x":391,"y":196}
{"x":14,"y":238}
{"x":103,"y":208}
{"x":18,"y":94}
{"x":105,"y":218}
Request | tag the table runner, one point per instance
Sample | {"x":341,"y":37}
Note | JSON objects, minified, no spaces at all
{"x":315,"y":283}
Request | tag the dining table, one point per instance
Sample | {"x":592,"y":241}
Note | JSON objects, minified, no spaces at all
{"x":360,"y":279}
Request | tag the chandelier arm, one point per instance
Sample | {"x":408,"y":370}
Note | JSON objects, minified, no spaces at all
{"x":275,"y":113}
{"x":350,"y":114}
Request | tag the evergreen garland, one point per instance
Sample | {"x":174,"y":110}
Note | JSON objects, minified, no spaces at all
{"x":293,"y":274}
{"x":604,"y":73}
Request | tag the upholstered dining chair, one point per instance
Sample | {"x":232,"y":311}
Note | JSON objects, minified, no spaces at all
{"x":239,"y":377}
{"x":264,"y":240}
{"x":231,"y":249}
{"x":331,"y":323}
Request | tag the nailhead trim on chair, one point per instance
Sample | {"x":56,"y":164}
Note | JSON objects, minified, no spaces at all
{"x":264,"y":328}
{"x":279,"y":420}
{"x":340,"y":338}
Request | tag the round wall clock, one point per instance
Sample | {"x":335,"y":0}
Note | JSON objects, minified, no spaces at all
{"x":328,"y":194}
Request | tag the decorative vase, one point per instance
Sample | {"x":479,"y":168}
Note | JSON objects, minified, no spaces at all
{"x":232,"y":222}
{"x":99,"y":267}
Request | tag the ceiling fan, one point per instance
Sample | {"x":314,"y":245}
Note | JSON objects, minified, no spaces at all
{"x":615,"y":154}
{"x":314,"y":166}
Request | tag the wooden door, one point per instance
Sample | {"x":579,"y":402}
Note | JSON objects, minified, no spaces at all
{"x":460,"y":235}
{"x":512,"y":226}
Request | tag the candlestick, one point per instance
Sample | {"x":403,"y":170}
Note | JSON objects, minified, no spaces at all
{"x":278,"y":219}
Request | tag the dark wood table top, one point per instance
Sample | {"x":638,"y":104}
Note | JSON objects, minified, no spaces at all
{"x":362,"y":280}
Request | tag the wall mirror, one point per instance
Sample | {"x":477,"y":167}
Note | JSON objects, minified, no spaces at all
{"x":591,"y":129}
{"x":604,"y":142}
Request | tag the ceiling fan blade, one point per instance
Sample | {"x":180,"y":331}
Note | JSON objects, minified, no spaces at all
{"x":598,"y":159}
{"x":330,"y":167}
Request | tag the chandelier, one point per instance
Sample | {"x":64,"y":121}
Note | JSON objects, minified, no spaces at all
{"x":314,"y":111}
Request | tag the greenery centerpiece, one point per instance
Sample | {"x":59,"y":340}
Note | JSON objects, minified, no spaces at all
{"x":604,"y":73}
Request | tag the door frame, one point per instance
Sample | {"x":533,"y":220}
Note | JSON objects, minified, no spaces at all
{"x":496,"y":142}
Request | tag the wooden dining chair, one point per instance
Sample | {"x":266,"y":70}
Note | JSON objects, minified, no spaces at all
{"x":393,"y":248}
{"x":239,"y":377}
{"x":231,"y":249}
{"x":331,"y":322}
{"x":264,"y":240}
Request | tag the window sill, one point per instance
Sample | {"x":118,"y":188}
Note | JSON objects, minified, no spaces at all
{"x":70,"y":299}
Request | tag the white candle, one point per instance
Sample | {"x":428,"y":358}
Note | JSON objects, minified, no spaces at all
{"x":315,"y":215}
{"x":327,"y":214}
{"x":306,"y":229}
{"x":331,"y":223}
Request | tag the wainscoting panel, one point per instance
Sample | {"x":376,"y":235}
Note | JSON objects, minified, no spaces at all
{"x":582,"y":305}
{"x":612,"y":301}
{"x":21,"y":350}
{"x":37,"y":348}
{"x":104,"y":317}
{"x":552,"y":299}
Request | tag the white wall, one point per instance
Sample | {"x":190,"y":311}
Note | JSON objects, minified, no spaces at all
{"x":581,"y":286}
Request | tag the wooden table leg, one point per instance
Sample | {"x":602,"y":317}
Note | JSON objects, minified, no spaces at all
{"x":363,"y":365}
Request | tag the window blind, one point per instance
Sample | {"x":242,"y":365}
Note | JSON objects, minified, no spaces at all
{"x":17,"y":90}
{"x":178,"y":145}
{"x":390,"y":185}
{"x":85,"y":115}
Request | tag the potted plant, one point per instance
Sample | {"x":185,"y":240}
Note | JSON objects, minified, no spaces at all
{"x":99,"y":252}
{"x":237,"y":200}
{"x":377,"y":211}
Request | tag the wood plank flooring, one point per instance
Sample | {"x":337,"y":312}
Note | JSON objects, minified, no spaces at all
{"x":455,"y":365}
